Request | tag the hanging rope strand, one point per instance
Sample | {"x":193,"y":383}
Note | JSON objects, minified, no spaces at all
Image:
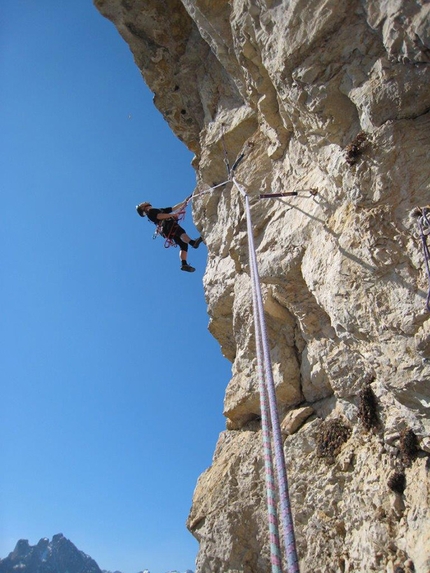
{"x":275,"y":547}
{"x":205,"y":191}
{"x":424,"y":227}
{"x":286,"y":514}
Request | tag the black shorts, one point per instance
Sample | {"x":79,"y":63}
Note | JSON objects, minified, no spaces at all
{"x":175,"y":235}
{"x":177,"y":238}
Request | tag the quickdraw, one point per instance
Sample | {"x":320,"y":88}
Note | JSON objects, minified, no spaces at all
{"x":230,"y":171}
{"x":226,"y":161}
{"x":312,"y":192}
{"x":424,"y":228}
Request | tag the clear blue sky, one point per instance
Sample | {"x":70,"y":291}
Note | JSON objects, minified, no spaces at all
{"x":111,"y":385}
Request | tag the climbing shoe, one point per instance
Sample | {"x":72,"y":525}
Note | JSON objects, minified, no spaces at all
{"x":195,"y":244}
{"x":187,"y":268}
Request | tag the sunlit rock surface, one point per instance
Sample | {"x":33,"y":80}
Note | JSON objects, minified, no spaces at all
{"x":330,"y":99}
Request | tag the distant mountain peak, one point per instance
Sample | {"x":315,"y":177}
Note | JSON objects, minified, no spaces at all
{"x":56,"y":556}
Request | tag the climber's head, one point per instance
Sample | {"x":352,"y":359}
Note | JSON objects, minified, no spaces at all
{"x":142,"y":208}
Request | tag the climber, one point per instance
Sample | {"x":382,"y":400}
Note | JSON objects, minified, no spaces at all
{"x":166,"y":220}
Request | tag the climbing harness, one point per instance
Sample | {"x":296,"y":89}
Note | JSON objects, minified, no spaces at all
{"x":168,"y":237}
{"x":424,"y":229}
{"x":270,"y":419}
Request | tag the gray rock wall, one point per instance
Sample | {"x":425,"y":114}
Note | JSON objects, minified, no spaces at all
{"x":330,"y":99}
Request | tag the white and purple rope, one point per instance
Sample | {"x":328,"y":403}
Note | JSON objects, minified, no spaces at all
{"x":282,"y":480}
{"x":271,"y":488}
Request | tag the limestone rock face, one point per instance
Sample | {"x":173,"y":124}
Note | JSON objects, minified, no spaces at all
{"x":330,"y":100}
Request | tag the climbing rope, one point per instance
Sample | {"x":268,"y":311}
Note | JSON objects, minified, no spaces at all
{"x":205,"y":191}
{"x":276,"y":485}
{"x":271,"y":491}
{"x":424,"y":228}
{"x":265,"y":367}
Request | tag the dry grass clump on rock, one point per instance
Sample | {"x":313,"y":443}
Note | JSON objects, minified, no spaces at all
{"x":368,"y":408}
{"x":332,"y":435}
{"x":397,"y":482}
{"x":355,"y":148}
{"x":408,"y":446}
